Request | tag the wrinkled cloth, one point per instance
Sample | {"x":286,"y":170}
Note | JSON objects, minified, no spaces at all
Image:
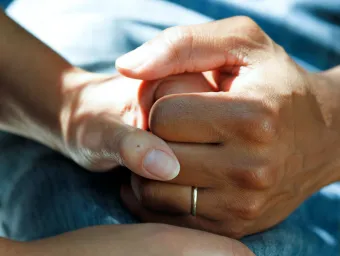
{"x":43,"y":193}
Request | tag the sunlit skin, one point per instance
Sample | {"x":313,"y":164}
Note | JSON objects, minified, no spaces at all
{"x":94,"y":120}
{"x":256,"y":149}
{"x":257,"y":140}
{"x":109,"y":109}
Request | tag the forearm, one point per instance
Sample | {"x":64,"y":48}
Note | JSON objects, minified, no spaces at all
{"x":33,"y":82}
{"x":77,"y":243}
{"x":74,"y":243}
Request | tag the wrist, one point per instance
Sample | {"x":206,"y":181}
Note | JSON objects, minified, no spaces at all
{"x":325,"y":86}
{"x":35,"y":109}
{"x":33,"y":83}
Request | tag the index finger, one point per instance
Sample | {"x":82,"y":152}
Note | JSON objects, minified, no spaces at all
{"x":212,"y":117}
{"x":197,"y":48}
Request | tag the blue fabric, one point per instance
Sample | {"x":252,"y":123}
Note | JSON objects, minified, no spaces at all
{"x":43,"y":194}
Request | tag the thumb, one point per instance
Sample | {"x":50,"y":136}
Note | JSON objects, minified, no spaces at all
{"x":138,"y":146}
{"x":105,"y":142}
{"x":227,"y":43}
{"x":145,"y":154}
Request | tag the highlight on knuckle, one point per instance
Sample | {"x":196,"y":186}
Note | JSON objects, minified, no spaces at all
{"x":262,"y":127}
{"x":247,"y":22}
{"x":259,"y":178}
{"x":251,"y":208}
{"x":253,"y":30}
{"x":267,"y":127}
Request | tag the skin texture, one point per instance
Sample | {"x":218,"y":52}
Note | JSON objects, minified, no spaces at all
{"x":142,"y":239}
{"x":94,"y":120}
{"x":256,"y":149}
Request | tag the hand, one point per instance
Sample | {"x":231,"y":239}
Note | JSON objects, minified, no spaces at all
{"x":141,"y":240}
{"x":256,"y":150}
{"x":89,"y":117}
{"x":104,"y":118}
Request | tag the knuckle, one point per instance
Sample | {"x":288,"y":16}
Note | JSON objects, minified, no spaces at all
{"x":95,"y":160}
{"x":266,"y":127}
{"x":87,"y":158}
{"x":247,"y":22}
{"x":262,"y":127}
{"x":260,"y":178}
{"x":251,"y":209}
{"x":253,"y":30}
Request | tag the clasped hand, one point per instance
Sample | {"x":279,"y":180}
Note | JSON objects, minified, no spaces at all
{"x":256,"y":148}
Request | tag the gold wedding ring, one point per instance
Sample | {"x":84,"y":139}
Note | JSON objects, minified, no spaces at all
{"x":193,"y":201}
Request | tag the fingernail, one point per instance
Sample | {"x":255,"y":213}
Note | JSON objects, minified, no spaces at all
{"x":134,"y":59}
{"x":161,"y":165}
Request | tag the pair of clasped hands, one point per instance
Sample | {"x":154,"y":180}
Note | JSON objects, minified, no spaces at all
{"x":217,"y":106}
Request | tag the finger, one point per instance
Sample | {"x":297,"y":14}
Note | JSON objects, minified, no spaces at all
{"x":106,"y":142}
{"x":237,"y":164}
{"x":151,"y":91}
{"x":161,"y":196}
{"x":183,"y":83}
{"x":146,"y":155}
{"x":212,"y":203}
{"x":200,"y":164}
{"x":196,"y":222}
{"x":138,"y":210}
{"x":197,"y":48}
{"x":211,"y":117}
{"x":174,"y":199}
{"x":131,"y":150}
{"x":188,"y":118}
